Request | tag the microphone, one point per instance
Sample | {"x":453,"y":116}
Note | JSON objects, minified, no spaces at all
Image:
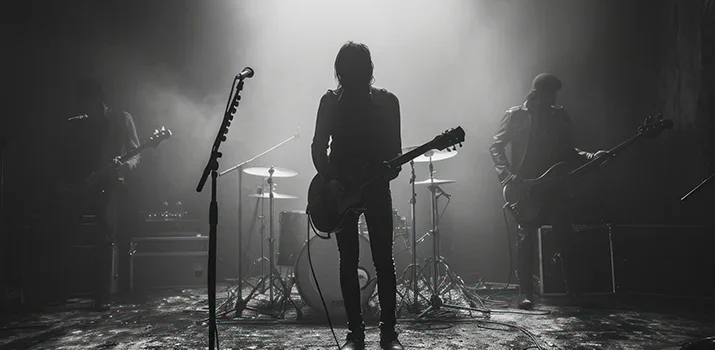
{"x":245,"y":73}
{"x":78,"y":117}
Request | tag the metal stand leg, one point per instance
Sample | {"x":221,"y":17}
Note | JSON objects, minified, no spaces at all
{"x":279,"y":292}
{"x":411,"y":281}
{"x":436,"y":302}
{"x":240,"y":303}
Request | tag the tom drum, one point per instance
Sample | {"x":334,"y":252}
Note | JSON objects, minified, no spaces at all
{"x":293,"y":225}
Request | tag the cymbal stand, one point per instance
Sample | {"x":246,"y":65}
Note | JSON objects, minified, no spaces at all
{"x":273,"y":275}
{"x":436,"y":302}
{"x":411,"y":283}
{"x":240,"y":302}
{"x":256,"y":218}
{"x":262,"y":231}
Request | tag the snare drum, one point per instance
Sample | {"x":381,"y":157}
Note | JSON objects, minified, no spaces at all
{"x":326,"y":263}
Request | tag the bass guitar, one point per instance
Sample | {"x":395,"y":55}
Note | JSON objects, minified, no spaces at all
{"x":522,"y":196}
{"x":156,"y":138}
{"x":328,"y":211}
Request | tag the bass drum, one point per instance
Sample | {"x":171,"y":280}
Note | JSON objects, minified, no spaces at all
{"x":326,"y":261}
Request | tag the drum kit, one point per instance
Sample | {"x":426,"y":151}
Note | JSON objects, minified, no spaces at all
{"x":314,"y":260}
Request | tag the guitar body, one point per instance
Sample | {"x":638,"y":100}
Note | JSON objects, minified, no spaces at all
{"x":523,"y":197}
{"x":92,"y":193}
{"x":328,"y":210}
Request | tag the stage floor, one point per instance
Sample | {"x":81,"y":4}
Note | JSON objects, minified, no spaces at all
{"x":171,"y":319}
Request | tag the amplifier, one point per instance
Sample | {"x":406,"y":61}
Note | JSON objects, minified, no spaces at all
{"x":593,"y":260}
{"x":81,"y":259}
{"x":168,"y":262}
{"x":669,"y":260}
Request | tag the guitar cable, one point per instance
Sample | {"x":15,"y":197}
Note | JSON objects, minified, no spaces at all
{"x":315,"y":278}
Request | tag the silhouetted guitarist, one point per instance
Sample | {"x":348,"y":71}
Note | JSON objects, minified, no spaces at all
{"x":361,"y":123}
{"x":540,"y":136}
{"x":113,"y":134}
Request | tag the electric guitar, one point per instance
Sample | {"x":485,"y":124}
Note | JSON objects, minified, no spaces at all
{"x":522,"y":196}
{"x":328,"y":211}
{"x":156,"y":138}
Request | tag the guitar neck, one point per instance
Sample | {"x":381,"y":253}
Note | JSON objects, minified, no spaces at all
{"x":133,"y":152}
{"x":611,"y":153}
{"x":109,"y":168}
{"x":412,"y":154}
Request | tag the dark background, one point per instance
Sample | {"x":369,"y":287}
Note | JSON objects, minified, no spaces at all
{"x":639,"y":57}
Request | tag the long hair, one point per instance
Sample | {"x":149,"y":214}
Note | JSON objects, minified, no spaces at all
{"x":354,"y":68}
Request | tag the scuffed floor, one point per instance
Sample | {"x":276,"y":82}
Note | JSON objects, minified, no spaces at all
{"x":172,"y":319}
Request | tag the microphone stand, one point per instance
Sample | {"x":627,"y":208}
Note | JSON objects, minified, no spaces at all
{"x":698,"y":187}
{"x":241,"y":304}
{"x":212,"y":169}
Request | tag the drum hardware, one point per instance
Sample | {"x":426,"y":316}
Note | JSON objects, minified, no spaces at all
{"x":270,"y":172}
{"x":240,"y":303}
{"x":432,"y":155}
{"x":413,"y":274}
{"x":275,"y":196}
{"x":291,"y":237}
{"x":399,"y":225}
{"x":273,"y":274}
{"x":261,"y":233}
{"x":326,"y":264}
{"x":437,"y":287}
{"x":414,"y":269}
{"x":435,"y":182}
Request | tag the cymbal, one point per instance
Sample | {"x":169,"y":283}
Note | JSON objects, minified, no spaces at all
{"x":433,"y":155}
{"x":265,"y":171}
{"x":267,"y":195}
{"x":435,"y":182}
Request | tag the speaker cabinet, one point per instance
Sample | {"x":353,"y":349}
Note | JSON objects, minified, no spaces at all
{"x":665,"y":260}
{"x":592,"y":259}
{"x":168,"y":262}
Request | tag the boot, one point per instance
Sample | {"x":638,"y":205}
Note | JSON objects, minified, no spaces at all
{"x":388,"y":338}
{"x":355,"y":340}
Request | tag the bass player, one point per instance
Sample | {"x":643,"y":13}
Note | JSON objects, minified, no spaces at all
{"x":540,"y":136}
{"x":113,"y":133}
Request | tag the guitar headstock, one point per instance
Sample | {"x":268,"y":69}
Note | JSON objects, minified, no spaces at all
{"x":653,"y":126}
{"x":158,"y":136}
{"x":449,"y":138}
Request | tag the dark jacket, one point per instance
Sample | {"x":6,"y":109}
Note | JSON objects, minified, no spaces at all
{"x":364,"y":127}
{"x":555,"y":143}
